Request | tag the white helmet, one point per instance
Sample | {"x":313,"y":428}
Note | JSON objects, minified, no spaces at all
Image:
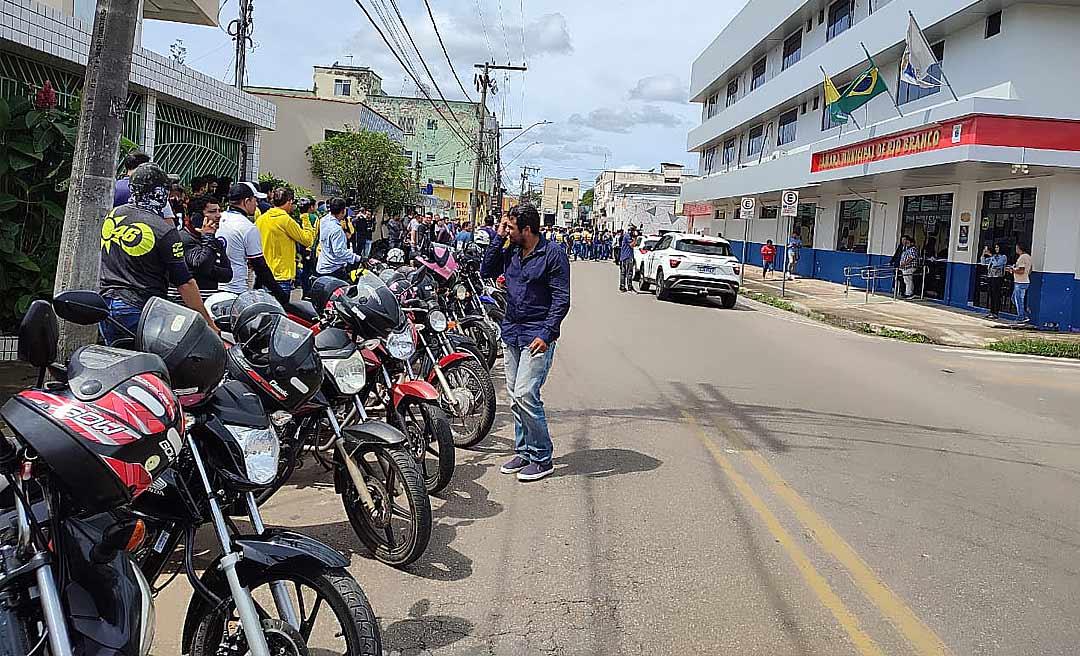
{"x":395,"y":257}
{"x":482,"y":237}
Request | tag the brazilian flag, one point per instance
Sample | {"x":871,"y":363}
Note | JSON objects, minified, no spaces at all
{"x":861,"y":90}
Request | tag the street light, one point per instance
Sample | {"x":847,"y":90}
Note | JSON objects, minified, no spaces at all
{"x":524,"y":131}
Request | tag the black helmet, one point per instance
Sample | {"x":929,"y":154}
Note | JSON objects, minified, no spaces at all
{"x":371,"y":309}
{"x":193,"y":354}
{"x":252,"y":316}
{"x":323,"y":289}
{"x":283,"y":367}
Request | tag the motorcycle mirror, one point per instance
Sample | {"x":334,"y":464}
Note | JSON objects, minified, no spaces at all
{"x":82,"y":307}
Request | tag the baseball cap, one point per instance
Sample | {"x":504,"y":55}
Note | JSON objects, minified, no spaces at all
{"x":244,"y":190}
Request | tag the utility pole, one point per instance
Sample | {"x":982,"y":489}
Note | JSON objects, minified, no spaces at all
{"x":240,"y":30}
{"x":93,"y":168}
{"x":525,"y":172}
{"x":484,"y":82}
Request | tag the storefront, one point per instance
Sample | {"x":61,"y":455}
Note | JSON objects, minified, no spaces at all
{"x":927,"y":220}
{"x":1007,"y":219}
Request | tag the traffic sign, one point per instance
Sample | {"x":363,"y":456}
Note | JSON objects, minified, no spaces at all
{"x":789,"y":203}
{"x":746,"y":208}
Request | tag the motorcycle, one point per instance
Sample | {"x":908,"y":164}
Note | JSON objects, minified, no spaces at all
{"x":230,"y":453}
{"x":380,"y":483}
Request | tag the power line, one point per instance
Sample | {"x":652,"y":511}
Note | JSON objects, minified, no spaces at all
{"x":445,"y":53}
{"x":424,"y":63}
{"x":414,"y":77}
{"x":483,"y":25}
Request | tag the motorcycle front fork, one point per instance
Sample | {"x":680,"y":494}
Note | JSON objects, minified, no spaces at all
{"x":356,"y":475}
{"x":277,"y":588}
{"x":245,"y":605}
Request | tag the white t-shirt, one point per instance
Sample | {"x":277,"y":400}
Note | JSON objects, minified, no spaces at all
{"x":242,"y":241}
{"x":1025,"y":262}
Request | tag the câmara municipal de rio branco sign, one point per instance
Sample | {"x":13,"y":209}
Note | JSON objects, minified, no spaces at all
{"x":897,"y":145}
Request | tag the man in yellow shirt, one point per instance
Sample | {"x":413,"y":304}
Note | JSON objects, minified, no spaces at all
{"x":280,"y":236}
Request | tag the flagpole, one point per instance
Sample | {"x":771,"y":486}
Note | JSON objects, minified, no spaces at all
{"x":871,"y":60}
{"x":941,"y":67}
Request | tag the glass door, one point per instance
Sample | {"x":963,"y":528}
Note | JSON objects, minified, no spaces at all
{"x":1007,"y":219}
{"x":928,"y":220}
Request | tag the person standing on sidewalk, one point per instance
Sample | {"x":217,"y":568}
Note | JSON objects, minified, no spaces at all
{"x":768,"y":256}
{"x":626,"y":261}
{"x":995,"y":277}
{"x":794,"y":245}
{"x":1021,"y":270}
{"x":909,"y":258}
{"x":537,"y":275}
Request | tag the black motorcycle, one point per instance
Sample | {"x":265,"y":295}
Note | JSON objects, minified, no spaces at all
{"x":264,"y":593}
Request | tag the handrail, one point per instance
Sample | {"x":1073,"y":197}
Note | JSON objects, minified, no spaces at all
{"x":871,"y":274}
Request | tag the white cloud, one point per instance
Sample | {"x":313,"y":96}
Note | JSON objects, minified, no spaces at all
{"x":660,"y":88}
{"x":623,"y":120}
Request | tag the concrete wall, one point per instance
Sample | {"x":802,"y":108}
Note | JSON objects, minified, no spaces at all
{"x":364,"y":82}
{"x":555,"y":194}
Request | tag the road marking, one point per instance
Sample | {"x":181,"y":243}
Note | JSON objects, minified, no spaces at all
{"x":921,"y":637}
{"x":850,"y":623}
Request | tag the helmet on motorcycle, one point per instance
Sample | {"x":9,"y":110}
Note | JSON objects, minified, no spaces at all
{"x":482,"y":237}
{"x":324,"y":289}
{"x":181,"y":337}
{"x":219,"y":305}
{"x":372,"y":309}
{"x":282,"y":364}
{"x":252,"y":316}
{"x":395,"y":257}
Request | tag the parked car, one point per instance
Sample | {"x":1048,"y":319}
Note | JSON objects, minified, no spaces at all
{"x":642,"y":245}
{"x":692,"y":264}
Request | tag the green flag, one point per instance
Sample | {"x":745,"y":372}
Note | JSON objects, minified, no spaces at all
{"x":859,"y":92}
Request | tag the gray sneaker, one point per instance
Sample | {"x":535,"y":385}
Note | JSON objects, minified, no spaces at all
{"x":515,"y":465}
{"x":535,"y":471}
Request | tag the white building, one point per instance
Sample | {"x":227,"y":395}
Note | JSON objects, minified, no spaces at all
{"x":560,"y":201}
{"x":621,"y":198}
{"x":188,"y":122}
{"x":999,"y":166}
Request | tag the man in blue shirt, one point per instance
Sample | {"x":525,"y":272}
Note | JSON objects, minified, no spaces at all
{"x":626,"y":260}
{"x":335,"y":257}
{"x":537,"y":275}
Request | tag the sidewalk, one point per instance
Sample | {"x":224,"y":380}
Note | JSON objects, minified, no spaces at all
{"x":939,"y":324}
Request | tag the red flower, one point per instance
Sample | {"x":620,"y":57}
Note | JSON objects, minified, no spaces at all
{"x":46,"y":96}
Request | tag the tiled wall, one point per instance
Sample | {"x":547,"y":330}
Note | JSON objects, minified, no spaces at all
{"x":48,"y":30}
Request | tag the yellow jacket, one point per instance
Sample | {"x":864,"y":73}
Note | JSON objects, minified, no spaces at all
{"x":280,"y":235}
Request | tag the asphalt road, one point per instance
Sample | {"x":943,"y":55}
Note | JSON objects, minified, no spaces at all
{"x":745,"y":482}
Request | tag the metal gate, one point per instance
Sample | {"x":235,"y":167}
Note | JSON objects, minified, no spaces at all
{"x":190,"y":144}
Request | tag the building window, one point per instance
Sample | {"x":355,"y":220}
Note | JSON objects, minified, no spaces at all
{"x":770,"y":211}
{"x":803,"y":108}
{"x":757,"y":74}
{"x":993,"y":24}
{"x":710,"y":160}
{"x":839,"y":18}
{"x":430,"y":158}
{"x":711,"y":105}
{"x":786,"y":133}
{"x":342,"y":87}
{"x":408,"y":124}
{"x":729,"y":152}
{"x":816,"y":105}
{"x":432,"y":124}
{"x":732,"y":92}
{"x":910,"y":92}
{"x":853,"y":230}
{"x":792,"y":50}
{"x":809,"y":23}
{"x":756,"y":140}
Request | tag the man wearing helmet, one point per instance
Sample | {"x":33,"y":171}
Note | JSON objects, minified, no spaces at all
{"x":141,"y":253}
{"x":335,"y":257}
{"x":538,"y":283}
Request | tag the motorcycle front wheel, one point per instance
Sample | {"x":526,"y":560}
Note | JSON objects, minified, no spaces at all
{"x":398,"y":528}
{"x":486,"y":342}
{"x":431,"y":441}
{"x":334,"y":616}
{"x":472,"y":407}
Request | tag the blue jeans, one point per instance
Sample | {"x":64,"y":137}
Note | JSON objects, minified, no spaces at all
{"x":286,"y":286}
{"x":126,"y":315}
{"x":525,"y":375}
{"x":365,"y":248}
{"x":1020,"y":300}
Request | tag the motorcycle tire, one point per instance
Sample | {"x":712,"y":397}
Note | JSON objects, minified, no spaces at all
{"x":336,"y":587}
{"x":486,"y":342}
{"x":483,"y":406}
{"x":431,"y":441}
{"x":376,"y":533}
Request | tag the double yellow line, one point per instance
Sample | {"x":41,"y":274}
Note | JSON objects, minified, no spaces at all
{"x":922,"y":639}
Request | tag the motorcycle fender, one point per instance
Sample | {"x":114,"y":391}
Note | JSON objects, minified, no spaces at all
{"x":472,"y":320}
{"x":447,"y":360}
{"x":417,"y":389}
{"x":361,"y":437}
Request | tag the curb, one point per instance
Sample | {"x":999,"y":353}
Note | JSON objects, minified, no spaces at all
{"x":881,"y":330}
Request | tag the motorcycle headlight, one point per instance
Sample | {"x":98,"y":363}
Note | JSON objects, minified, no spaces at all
{"x":350,"y":374}
{"x":437,"y":321}
{"x":460,"y":292}
{"x":260,"y":448}
{"x":147,"y":616}
{"x":401,"y":345}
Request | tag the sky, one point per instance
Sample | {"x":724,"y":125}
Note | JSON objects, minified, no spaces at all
{"x":611,"y":75}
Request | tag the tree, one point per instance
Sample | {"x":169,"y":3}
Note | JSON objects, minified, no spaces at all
{"x":587,"y":197}
{"x":364,"y":165}
{"x":275,"y":182}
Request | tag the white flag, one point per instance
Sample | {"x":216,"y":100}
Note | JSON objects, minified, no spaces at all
{"x":918,"y":58}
